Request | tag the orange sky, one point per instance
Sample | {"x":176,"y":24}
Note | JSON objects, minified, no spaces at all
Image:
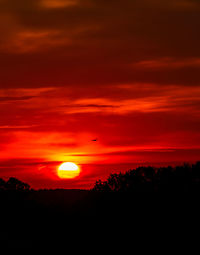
{"x":124,"y":72}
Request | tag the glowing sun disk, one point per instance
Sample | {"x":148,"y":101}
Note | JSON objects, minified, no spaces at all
{"x":68,"y":170}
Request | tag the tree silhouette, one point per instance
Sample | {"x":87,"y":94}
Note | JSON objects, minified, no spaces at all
{"x":2,"y":184}
{"x":148,"y":179}
{"x":14,"y":184}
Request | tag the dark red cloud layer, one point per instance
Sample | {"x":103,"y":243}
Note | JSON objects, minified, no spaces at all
{"x":71,"y":71}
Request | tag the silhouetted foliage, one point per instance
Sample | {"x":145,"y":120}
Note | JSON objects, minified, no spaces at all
{"x":14,"y":185}
{"x":148,"y":179}
{"x":2,"y":184}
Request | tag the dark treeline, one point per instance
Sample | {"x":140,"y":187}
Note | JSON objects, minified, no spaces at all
{"x":13,"y":184}
{"x":184,"y":178}
{"x":138,"y":201}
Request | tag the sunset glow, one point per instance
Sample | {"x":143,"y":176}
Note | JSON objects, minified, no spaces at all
{"x":107,"y":84}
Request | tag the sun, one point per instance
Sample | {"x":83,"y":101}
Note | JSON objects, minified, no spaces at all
{"x":68,"y":170}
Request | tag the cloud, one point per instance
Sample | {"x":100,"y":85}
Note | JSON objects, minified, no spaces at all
{"x":187,"y":5}
{"x":22,"y":98}
{"x":17,"y":127}
{"x":168,"y":63}
{"x":74,"y":45}
{"x":168,"y":98}
{"x":28,"y":41}
{"x":57,"y":4}
{"x":21,"y":94}
{"x":30,"y":144}
{"x":113,"y":107}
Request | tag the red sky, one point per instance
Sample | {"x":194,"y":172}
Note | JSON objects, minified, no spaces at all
{"x":125,"y":72}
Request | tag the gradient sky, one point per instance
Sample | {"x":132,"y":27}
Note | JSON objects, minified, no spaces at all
{"x":126,"y":72}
